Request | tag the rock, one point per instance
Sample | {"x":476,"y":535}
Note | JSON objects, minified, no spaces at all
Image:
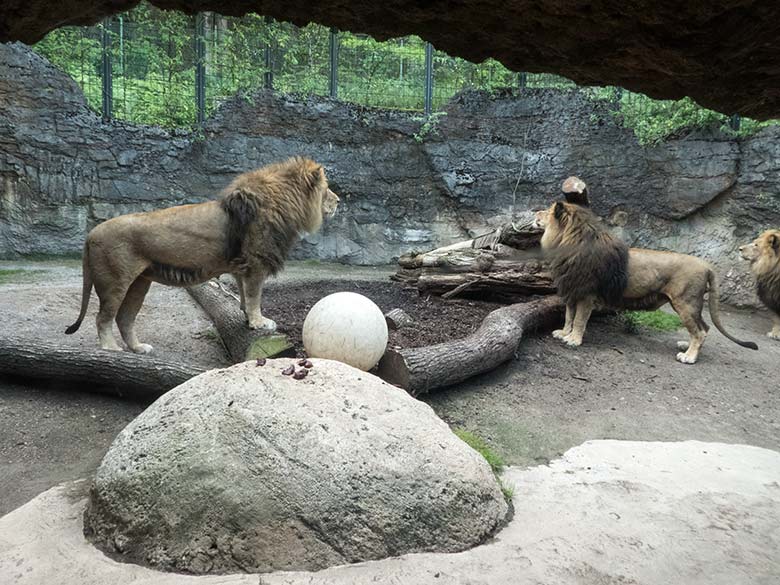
{"x":244,"y":469}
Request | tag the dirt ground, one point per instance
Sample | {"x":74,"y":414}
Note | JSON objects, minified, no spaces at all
{"x":616,"y":386}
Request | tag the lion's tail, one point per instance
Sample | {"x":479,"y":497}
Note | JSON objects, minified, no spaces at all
{"x":86,"y":290}
{"x":715,"y":311}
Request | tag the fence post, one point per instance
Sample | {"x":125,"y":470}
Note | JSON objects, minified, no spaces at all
{"x":268,"y":77}
{"x":200,"y":67}
{"x":522,"y":79}
{"x":107,"y":82}
{"x":428,"y":79}
{"x":333,"y":53}
{"x":735,"y":122}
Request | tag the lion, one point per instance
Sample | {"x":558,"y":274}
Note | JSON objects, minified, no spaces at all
{"x":591,"y":266}
{"x":247,"y":232}
{"x":764,"y":256}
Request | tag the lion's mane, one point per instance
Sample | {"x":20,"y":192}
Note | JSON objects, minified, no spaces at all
{"x":268,"y":208}
{"x":585,"y":259}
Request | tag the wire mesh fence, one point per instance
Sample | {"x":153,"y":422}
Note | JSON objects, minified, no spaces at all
{"x":170,"y":69}
{"x":78,"y":52}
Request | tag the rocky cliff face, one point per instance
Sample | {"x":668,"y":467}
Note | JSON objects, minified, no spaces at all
{"x":403,"y":185}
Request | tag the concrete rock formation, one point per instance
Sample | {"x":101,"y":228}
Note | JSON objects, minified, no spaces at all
{"x":247,"y":469}
{"x":723,"y":53}
{"x":614,"y":512}
{"x":63,"y":170}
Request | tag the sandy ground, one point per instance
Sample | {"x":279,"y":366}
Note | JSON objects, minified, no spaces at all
{"x":616,"y":386}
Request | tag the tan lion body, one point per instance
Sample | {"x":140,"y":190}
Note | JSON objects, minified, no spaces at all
{"x":653,"y":278}
{"x":247,"y":232}
{"x":764,"y":256}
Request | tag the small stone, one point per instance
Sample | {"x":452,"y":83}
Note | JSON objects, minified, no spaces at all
{"x":300,"y":374}
{"x":288,"y":371}
{"x":260,"y":362}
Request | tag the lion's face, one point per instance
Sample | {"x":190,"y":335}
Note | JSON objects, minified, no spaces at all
{"x":330,"y":202}
{"x":550,"y":221}
{"x":764,"y":249}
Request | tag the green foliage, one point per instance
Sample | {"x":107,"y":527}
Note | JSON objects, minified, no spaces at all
{"x":658,"y":320}
{"x":154,"y":62}
{"x":429,"y":127}
{"x":480,"y":446}
{"x":653,"y":121}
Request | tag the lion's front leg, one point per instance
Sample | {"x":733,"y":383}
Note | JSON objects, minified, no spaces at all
{"x":581,"y":317}
{"x":253,"y":291}
{"x":775,"y":333}
{"x":568,"y":323}
{"x":240,"y":286}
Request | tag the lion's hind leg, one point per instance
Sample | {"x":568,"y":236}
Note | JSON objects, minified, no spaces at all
{"x":581,"y":317}
{"x":561,"y":333}
{"x":690,"y":315}
{"x":128,"y":311}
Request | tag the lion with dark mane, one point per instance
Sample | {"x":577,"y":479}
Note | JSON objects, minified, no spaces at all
{"x":764,"y":256}
{"x":590,"y":266}
{"x":247,"y":232}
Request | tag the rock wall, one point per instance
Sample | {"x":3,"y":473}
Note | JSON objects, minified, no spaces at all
{"x":404,"y":184}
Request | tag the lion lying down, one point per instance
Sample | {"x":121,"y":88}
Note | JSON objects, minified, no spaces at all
{"x":764,"y":257}
{"x":590,"y":266}
{"x":248,"y":232}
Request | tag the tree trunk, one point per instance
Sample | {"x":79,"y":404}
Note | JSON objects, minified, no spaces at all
{"x":420,"y":370}
{"x":111,"y":372}
{"x":241,"y":342}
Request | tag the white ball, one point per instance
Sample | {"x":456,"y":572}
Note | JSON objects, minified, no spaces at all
{"x":346,"y":327}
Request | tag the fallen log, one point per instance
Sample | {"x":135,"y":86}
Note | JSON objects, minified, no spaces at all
{"x":505,"y":276}
{"x":120,"y":373}
{"x":398,"y":318}
{"x":420,"y":370}
{"x":241,"y":342}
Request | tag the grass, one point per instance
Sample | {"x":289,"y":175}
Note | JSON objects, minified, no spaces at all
{"x":480,"y":446}
{"x":494,"y":460}
{"x":657,"y":320}
{"x":9,"y":275}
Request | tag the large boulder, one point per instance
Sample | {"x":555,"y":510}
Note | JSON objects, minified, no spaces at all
{"x":248,"y":469}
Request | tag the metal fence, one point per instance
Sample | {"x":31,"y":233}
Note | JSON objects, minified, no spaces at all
{"x":166,"y":68}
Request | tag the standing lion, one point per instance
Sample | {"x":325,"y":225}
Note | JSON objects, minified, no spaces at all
{"x":764,"y":257}
{"x":248,"y":232}
{"x":591,"y":266}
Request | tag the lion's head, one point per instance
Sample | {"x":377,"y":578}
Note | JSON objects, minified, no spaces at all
{"x":763,"y":252}
{"x":585,"y":259}
{"x":764,"y":256}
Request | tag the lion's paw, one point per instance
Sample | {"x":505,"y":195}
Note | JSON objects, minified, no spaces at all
{"x":263,"y":324}
{"x":774,"y":335}
{"x":559,"y":334}
{"x":572,"y":341}
{"x":143,"y":348}
{"x":684,"y":358}
{"x":683,"y":345}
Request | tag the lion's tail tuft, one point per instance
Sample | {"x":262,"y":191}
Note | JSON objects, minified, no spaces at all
{"x":86,"y":290}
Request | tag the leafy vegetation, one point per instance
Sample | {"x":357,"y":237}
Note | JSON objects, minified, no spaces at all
{"x":154,"y":60}
{"x":653,"y":121}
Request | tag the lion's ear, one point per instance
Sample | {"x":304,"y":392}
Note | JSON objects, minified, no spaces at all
{"x":559,"y":210}
{"x":774,"y":241}
{"x":315,"y":176}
